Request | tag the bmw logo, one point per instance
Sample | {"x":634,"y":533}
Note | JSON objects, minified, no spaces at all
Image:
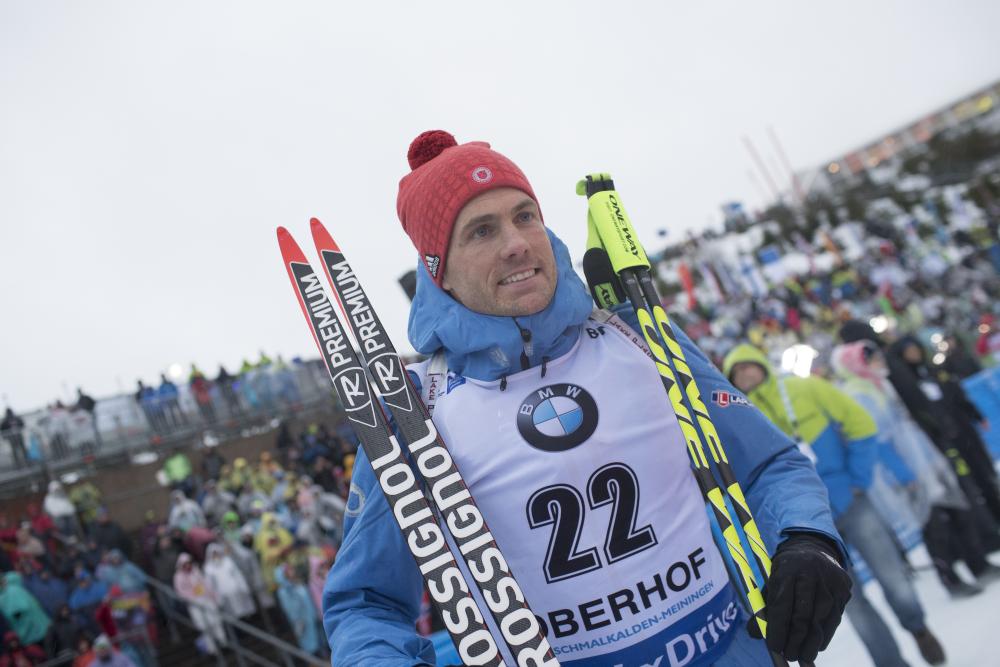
{"x":557,"y":417}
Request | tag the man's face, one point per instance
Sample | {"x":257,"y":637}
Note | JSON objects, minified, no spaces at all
{"x":500,"y":261}
{"x":747,"y":375}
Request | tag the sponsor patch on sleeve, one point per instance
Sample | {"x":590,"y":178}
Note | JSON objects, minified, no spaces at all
{"x":724,"y":399}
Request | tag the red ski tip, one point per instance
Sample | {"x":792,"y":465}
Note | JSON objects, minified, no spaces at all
{"x":290,"y":250}
{"x":322,"y":237}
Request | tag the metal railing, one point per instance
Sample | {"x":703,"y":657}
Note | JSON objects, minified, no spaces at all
{"x":54,"y":441}
{"x":140,"y":634}
{"x":168,"y":602}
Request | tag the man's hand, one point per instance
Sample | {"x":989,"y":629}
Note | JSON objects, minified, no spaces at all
{"x":805,"y":597}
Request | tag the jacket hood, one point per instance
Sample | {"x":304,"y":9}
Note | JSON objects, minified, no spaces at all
{"x":921,"y":368}
{"x":486,"y":347}
{"x":849,"y":363}
{"x":744,"y":352}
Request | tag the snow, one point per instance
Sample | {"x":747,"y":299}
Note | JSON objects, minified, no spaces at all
{"x":964,"y":627}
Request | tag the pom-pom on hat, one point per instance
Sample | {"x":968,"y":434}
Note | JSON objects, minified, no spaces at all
{"x":445,"y":176}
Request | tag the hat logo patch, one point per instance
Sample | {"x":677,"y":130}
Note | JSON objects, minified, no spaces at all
{"x":433,"y":262}
{"x":482,"y":174}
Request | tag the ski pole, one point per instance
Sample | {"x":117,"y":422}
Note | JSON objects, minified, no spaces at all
{"x":611,"y":231}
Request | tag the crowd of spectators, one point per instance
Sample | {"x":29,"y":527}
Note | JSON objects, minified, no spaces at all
{"x":251,"y":539}
{"x":170,"y":407}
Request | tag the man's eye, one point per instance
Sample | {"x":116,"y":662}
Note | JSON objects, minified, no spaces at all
{"x":525,"y":216}
{"x":481,"y":232}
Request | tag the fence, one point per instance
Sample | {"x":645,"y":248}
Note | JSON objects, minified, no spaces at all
{"x":137,"y":637}
{"x":290,"y":655}
{"x":55,"y":438}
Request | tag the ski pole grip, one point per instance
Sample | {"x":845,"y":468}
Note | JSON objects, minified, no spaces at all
{"x":611,"y":223}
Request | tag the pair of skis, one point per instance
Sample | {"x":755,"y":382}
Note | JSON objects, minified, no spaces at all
{"x":617,"y":269}
{"x":368,"y":374}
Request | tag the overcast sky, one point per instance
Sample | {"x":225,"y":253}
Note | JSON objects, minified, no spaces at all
{"x":149,"y":149}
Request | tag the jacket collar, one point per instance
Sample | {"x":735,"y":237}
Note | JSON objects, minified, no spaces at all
{"x":487,"y":347}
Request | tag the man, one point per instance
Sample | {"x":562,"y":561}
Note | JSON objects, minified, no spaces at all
{"x":169,"y":397}
{"x":498,"y":298}
{"x":840,"y":437}
{"x":108,"y":534}
{"x":89,"y":405}
{"x":11,"y":430}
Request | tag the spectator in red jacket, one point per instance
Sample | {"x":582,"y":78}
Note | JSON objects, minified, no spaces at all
{"x":18,"y":655}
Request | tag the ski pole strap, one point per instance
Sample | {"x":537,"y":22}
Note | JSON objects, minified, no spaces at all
{"x":789,"y":410}
{"x":603,"y":316}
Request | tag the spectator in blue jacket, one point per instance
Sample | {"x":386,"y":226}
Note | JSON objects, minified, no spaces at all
{"x":299,"y":608}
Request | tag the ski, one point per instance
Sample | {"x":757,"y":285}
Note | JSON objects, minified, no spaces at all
{"x":519,"y":626}
{"x":613,"y":240}
{"x":420,"y":527}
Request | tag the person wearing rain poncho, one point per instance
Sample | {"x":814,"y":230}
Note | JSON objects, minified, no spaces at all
{"x":237,"y":477}
{"x":935,"y":498}
{"x":298,"y":607}
{"x":62,"y":510}
{"x":216,"y":502}
{"x":322,"y":515}
{"x":241,"y":550}
{"x":203,"y":605}
{"x":21,"y":610}
{"x":252,"y":502}
{"x":270,"y":542}
{"x":51,"y":592}
{"x":85,"y":599}
{"x":263,"y":478}
{"x":230,"y":587}
{"x":87,"y":499}
{"x":184,"y":512}
{"x":116,"y":570}
{"x":229,"y":527}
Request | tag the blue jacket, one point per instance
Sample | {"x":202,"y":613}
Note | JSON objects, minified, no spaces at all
{"x":51,"y":593}
{"x":372,"y":595}
{"x":299,"y":610}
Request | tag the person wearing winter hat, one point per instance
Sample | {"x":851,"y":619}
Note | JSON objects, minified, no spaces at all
{"x":841,"y":438}
{"x":539,"y":414}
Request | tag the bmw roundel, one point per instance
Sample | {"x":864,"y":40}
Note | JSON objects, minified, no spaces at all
{"x":557,"y":417}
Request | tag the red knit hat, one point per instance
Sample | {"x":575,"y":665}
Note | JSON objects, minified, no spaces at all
{"x":444,"y":177}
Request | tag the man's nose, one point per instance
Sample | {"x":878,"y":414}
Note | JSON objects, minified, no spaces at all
{"x":514,"y":241}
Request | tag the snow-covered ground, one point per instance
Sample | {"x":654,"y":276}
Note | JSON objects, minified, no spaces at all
{"x":968,"y":629}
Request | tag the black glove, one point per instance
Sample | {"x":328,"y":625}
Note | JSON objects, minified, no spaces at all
{"x":805,"y":597}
